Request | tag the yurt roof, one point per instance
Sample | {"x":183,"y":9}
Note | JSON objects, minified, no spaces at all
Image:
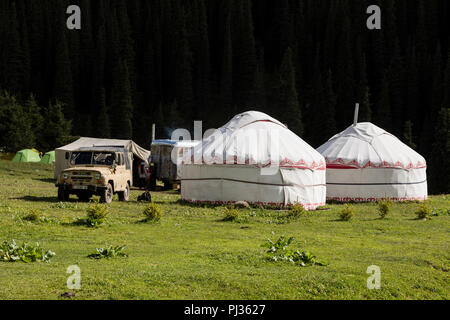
{"x":367,"y":146}
{"x":247,"y":140}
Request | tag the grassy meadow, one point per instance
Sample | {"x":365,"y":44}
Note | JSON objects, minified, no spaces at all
{"x":192,"y":254}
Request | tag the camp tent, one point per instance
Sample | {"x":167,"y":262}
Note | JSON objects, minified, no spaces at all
{"x":257,"y":159}
{"x":26,"y":155}
{"x":49,"y":157}
{"x":366,"y":163}
{"x":61,"y":163}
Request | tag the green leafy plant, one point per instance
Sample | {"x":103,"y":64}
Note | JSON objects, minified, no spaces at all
{"x":297,"y":211}
{"x":108,"y":252}
{"x":96,"y":214}
{"x":424,"y":211}
{"x":153,"y":212}
{"x":384,"y":208}
{"x":32,"y":216}
{"x":347,"y":212}
{"x":11,"y":252}
{"x":436,"y":212}
{"x":231,"y":214}
{"x":280,"y":251}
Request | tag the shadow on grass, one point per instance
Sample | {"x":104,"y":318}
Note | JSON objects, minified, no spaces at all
{"x":47,"y":180}
{"x":52,"y":199}
{"x":339,"y":220}
{"x":147,"y":221}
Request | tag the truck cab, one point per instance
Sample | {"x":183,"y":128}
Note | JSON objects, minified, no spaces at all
{"x":92,"y":171}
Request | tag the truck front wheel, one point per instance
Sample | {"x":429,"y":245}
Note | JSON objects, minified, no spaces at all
{"x":63,"y":195}
{"x":107,"y":194}
{"x":125,"y":195}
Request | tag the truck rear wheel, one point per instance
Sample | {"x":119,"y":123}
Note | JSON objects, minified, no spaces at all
{"x":167,"y":186}
{"x":125,"y":195}
{"x":63,"y":195}
{"x":107,"y":194}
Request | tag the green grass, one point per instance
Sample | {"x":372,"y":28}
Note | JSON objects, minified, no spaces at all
{"x":192,"y":254}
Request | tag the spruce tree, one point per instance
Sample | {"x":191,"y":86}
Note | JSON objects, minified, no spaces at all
{"x":439,"y":164}
{"x":383,"y":107}
{"x":16,"y":131}
{"x":122,"y":112}
{"x":34,"y":113}
{"x":288,"y":103}
{"x":226,"y":75}
{"x":57,"y":127}
{"x":102,"y":123}
{"x":363,"y":94}
{"x":62,"y":83}
{"x":408,"y":134}
{"x":13,"y":71}
{"x":244,"y":55}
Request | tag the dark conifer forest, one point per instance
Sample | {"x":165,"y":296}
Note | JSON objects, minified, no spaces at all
{"x":170,"y":62}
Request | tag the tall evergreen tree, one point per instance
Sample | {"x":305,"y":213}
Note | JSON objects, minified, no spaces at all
{"x":13,"y":72}
{"x":383,"y":107}
{"x":16,"y":131}
{"x":288,"y":104}
{"x":408,"y":134}
{"x":62,"y":83}
{"x":244,"y":55}
{"x":102,"y":123}
{"x":60,"y":127}
{"x":439,"y":166}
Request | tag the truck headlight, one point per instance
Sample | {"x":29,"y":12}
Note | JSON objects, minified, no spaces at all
{"x":65,"y":175}
{"x":97,"y":176}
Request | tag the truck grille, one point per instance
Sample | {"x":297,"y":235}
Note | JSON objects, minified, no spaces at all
{"x":81,"y":177}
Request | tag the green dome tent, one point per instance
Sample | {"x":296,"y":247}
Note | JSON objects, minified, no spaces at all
{"x":49,"y":157}
{"x":26,"y":155}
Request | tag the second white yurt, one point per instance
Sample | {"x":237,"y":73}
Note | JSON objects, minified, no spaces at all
{"x":257,"y":159}
{"x":366,"y":163}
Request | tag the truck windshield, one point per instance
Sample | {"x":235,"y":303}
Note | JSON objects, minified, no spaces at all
{"x":92,"y":158}
{"x":103,"y":158}
{"x":81,"y":158}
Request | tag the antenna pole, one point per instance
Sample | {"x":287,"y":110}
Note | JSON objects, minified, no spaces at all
{"x":355,"y":121}
{"x":153,"y":132}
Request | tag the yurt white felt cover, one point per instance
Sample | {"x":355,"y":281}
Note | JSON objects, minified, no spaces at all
{"x":366,"y":163}
{"x":231,"y":164}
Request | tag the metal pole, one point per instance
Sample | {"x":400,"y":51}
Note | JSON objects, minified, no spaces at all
{"x":355,"y":121}
{"x":153,"y":132}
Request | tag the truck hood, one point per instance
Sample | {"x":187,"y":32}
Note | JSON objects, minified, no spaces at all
{"x":101,"y":170}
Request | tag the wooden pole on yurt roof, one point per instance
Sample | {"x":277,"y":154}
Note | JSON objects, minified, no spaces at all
{"x":355,"y":121}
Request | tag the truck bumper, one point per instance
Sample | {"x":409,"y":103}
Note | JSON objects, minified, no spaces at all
{"x":69,"y":187}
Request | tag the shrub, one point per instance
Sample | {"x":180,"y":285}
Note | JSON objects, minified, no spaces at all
{"x":424,"y":211}
{"x":11,"y":252}
{"x":32,"y":216}
{"x":153,"y":212}
{"x":384,"y":208}
{"x":280,"y":251}
{"x":347,"y":212}
{"x":297,"y":211}
{"x":231,"y":214}
{"x":96,"y":214}
{"x":108,"y":252}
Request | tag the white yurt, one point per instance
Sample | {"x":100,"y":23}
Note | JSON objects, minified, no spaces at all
{"x":366,"y":163}
{"x":257,"y":159}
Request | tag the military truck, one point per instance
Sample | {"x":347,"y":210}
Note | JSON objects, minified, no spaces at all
{"x":165,"y":161}
{"x":97,"y":171}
